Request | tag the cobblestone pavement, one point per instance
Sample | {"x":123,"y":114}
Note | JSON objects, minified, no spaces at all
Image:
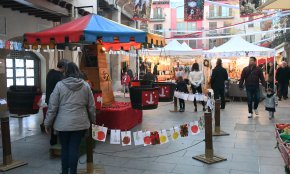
{"x":249,"y":149}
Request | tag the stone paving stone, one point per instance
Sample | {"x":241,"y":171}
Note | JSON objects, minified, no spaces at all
{"x":267,"y":169}
{"x":186,"y":169}
{"x":271,"y":161}
{"x":241,"y":172}
{"x":120,"y":170}
{"x":152,"y":166}
{"x":186,"y":160}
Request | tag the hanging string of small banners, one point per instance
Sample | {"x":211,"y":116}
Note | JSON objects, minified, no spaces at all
{"x":198,"y":97}
{"x":11,"y":45}
{"x":122,"y":53}
{"x":146,"y":138}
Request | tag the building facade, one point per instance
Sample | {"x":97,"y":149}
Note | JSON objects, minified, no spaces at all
{"x":215,"y":16}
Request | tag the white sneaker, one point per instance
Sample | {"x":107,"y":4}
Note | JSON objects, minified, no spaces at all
{"x":256,"y":111}
{"x":250,"y":115}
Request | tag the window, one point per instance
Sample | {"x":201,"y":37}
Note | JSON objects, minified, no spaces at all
{"x":157,"y":13}
{"x":158,"y":28}
{"x":212,"y":26}
{"x":252,"y":24}
{"x":219,"y":11}
{"x":181,"y":26}
{"x":192,"y":44}
{"x":22,"y":69}
{"x":191,"y":26}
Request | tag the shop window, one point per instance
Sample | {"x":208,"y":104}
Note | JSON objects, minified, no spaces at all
{"x":191,"y":26}
{"x":22,"y":68}
{"x":250,"y":38}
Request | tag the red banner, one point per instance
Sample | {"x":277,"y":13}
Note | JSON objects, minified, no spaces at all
{"x":149,"y":98}
{"x":193,"y":10}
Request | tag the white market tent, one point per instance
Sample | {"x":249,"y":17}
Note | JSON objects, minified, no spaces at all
{"x":238,"y":47}
{"x":173,"y":48}
{"x":184,"y":45}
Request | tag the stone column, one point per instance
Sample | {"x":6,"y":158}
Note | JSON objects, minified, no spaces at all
{"x":115,"y":60}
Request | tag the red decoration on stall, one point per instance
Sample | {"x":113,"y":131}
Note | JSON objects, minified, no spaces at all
{"x":98,"y":100}
{"x":149,"y":98}
{"x":164,"y":91}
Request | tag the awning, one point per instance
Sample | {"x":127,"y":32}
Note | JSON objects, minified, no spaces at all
{"x":156,"y":39}
{"x":275,"y":4}
{"x":87,"y":29}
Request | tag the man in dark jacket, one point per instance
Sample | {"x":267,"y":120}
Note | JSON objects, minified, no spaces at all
{"x":53,"y":76}
{"x":218,"y":78}
{"x":252,"y":75}
{"x":282,"y":77}
{"x":149,"y":76}
{"x":271,"y":75}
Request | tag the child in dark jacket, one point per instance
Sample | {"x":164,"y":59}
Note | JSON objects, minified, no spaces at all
{"x":181,"y":87}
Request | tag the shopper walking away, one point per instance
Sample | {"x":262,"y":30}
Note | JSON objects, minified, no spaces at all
{"x":52,"y":78}
{"x":282,"y":77}
{"x":71,"y":111}
{"x":181,"y":87}
{"x":251,"y":76}
{"x":271,"y":102}
{"x":155,"y":69}
{"x":218,"y":78}
{"x":196,"y":79}
{"x":271,"y":76}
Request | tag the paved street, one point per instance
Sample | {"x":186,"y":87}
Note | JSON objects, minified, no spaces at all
{"x":249,"y":149}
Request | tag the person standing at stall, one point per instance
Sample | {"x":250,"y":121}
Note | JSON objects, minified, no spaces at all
{"x":71,"y":111}
{"x":130,"y":72}
{"x":251,"y":76}
{"x":196,"y":79}
{"x":282,"y":77}
{"x":218,"y":78}
{"x":53,"y":76}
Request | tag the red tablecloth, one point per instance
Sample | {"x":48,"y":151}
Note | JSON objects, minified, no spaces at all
{"x":119,"y":115}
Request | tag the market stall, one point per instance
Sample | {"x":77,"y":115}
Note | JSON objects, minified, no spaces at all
{"x":235,"y":54}
{"x":170,"y":57}
{"x":94,"y":35}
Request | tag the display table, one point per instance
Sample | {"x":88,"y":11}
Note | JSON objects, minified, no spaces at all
{"x":119,"y":115}
{"x":235,"y":92}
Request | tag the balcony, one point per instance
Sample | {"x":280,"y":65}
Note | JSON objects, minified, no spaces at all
{"x":157,"y":18}
{"x":214,"y":16}
{"x":224,"y":32}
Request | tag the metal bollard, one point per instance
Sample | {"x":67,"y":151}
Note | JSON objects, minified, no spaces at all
{"x":209,"y":157}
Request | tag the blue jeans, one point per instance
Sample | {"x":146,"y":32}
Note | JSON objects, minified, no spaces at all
{"x":70,"y":143}
{"x":253,"y":95}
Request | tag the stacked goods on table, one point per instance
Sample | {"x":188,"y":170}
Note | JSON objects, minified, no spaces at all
{"x":283,"y":141}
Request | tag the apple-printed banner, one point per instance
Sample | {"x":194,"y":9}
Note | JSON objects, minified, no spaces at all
{"x":99,"y":133}
{"x":115,"y":136}
{"x":138,"y":138}
{"x":126,"y":138}
{"x":146,"y":138}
